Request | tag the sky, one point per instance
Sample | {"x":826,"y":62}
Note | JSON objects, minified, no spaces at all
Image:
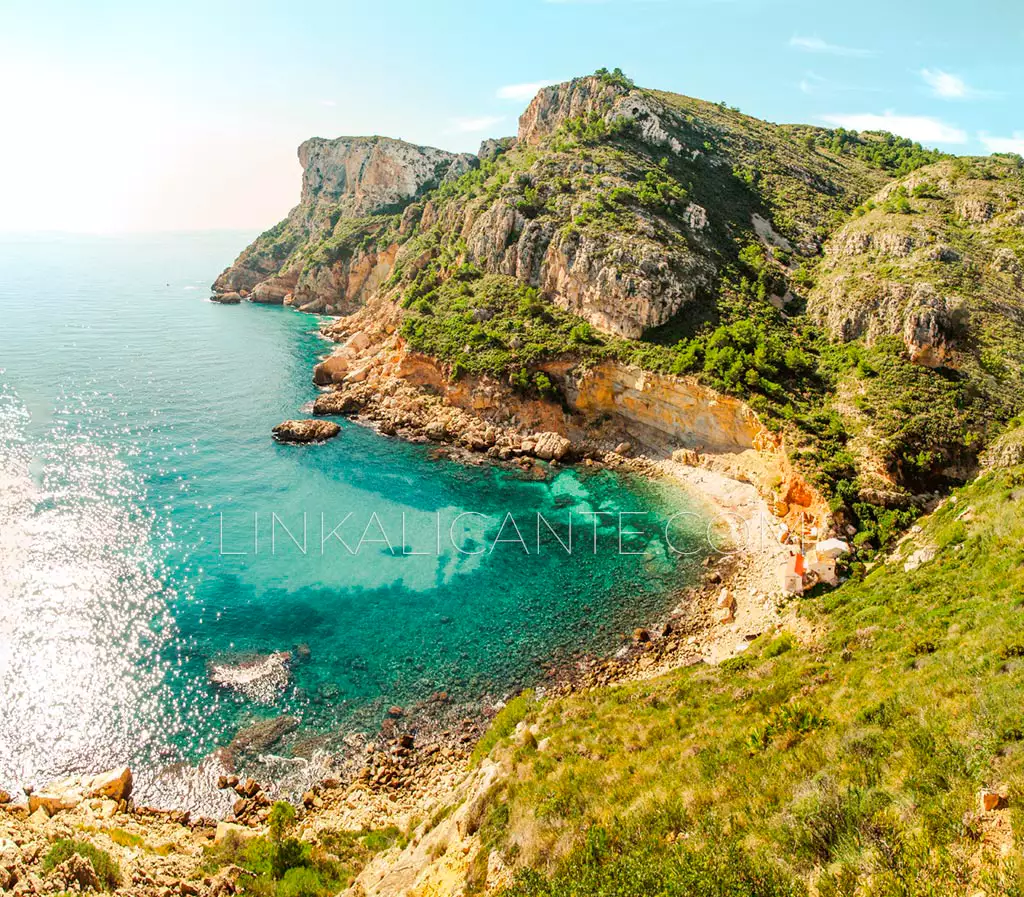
{"x":144,"y":115}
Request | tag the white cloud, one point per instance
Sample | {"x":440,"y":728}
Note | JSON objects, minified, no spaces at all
{"x":945,"y":85}
{"x":814,"y":44}
{"x":474,"y":125}
{"x":917,"y":127}
{"x":521,"y":92}
{"x":1014,"y":144}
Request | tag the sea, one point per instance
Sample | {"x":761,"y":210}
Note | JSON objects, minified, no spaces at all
{"x":171,"y":576}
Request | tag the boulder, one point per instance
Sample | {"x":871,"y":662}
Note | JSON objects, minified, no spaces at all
{"x":550,"y":446}
{"x":306,"y":431}
{"x":231,"y":298}
{"x":57,"y":796}
{"x":330,"y":370}
{"x":66,"y":794}
{"x":992,"y":800}
{"x":357,"y":342}
{"x":358,"y":375}
{"x":273,"y":290}
{"x":341,"y":403}
{"x":115,"y":784}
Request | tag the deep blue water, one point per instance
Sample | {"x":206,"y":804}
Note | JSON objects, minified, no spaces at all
{"x":135,"y":450}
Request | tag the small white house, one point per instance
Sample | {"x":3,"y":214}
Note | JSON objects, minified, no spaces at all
{"x":791,"y":575}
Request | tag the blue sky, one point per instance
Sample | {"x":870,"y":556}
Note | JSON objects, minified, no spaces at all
{"x":186,"y":115}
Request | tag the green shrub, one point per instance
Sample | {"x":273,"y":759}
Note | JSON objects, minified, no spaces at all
{"x":103,"y":864}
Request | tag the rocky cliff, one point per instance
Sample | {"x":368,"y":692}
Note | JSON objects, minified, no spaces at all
{"x":930,"y":259}
{"x":628,"y":227}
{"x":332,"y":250}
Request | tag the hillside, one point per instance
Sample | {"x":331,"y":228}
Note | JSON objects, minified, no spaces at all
{"x":829,"y":322}
{"x":870,"y":747}
{"x":851,"y":288}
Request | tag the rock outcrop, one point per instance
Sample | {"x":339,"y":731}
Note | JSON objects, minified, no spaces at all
{"x":929,"y":256}
{"x":260,"y":678}
{"x":66,"y":794}
{"x":926,"y":328}
{"x":305,"y":259}
{"x":357,"y":176}
{"x":306,"y":431}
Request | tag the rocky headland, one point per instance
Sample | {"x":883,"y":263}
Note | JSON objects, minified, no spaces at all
{"x":817,"y":331}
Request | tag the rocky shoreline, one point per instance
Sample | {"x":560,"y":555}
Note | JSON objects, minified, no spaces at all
{"x":417,"y":764}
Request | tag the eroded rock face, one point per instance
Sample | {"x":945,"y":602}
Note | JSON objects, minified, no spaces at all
{"x":1007,"y":451}
{"x":368,"y":175}
{"x":306,"y":431}
{"x":343,"y":286}
{"x":925,"y":331}
{"x":570,"y":99}
{"x":667,"y":412}
{"x":345,"y":178}
{"x":624,"y":290}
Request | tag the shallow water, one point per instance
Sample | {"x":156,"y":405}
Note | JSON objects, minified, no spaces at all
{"x":139,"y":546}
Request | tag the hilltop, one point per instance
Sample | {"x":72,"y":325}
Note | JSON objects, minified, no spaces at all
{"x":859,"y":292}
{"x":829,"y":323}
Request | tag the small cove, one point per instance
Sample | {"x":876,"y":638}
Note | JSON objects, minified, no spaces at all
{"x":138,"y":470}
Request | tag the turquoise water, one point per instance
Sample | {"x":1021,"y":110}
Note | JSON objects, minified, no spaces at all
{"x":135,"y":450}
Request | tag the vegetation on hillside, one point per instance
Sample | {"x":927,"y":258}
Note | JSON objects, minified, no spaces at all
{"x":108,"y":873}
{"x":802,"y":315}
{"x":281,"y":865}
{"x":848,"y":760}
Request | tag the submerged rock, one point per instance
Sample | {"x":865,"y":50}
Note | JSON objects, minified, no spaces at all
{"x":306,"y":431}
{"x":260,"y":678}
{"x":262,"y":735}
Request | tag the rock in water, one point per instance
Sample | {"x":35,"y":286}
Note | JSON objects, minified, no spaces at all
{"x":306,"y":431}
{"x":260,"y":678}
{"x":263,"y":735}
{"x":344,"y":403}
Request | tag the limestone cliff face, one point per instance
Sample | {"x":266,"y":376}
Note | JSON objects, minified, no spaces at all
{"x":326,"y":255}
{"x":593,"y":95}
{"x":553,"y":105}
{"x":357,"y":176}
{"x":930,"y":256}
{"x":666,"y":413}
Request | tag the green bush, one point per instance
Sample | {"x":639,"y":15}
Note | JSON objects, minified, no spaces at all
{"x":607,"y":865}
{"x":104,"y":865}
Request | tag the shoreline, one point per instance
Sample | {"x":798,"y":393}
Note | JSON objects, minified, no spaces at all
{"x":418,"y":763}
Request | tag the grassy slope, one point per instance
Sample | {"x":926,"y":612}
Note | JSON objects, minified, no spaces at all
{"x":850,"y":761}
